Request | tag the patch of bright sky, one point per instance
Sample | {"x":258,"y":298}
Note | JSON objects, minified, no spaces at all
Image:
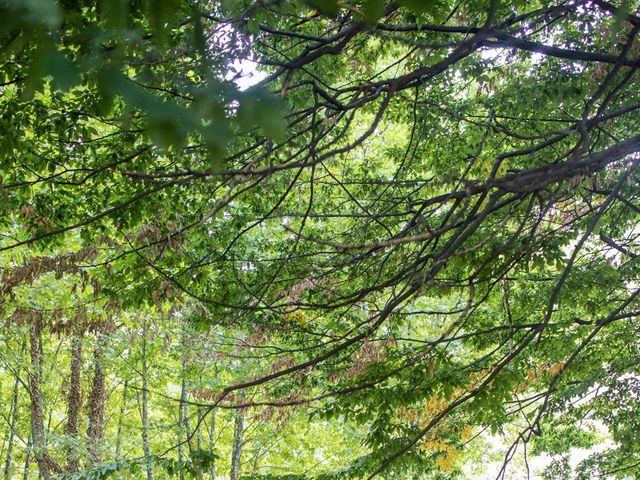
{"x":245,"y":74}
{"x":242,"y":71}
{"x":495,"y":446}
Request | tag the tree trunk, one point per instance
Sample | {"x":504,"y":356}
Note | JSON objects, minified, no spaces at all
{"x":145,"y":404}
{"x":212,"y":441}
{"x":236,"y":454}
{"x":46,"y":465}
{"x":186,"y":428}
{"x":5,"y":437}
{"x":74,"y":401}
{"x":27,"y":461}
{"x":200,"y":427}
{"x":97,"y":399}
{"x":188,"y":432}
{"x":182,"y":412}
{"x":184,"y":423}
{"x":12,"y":428}
{"x":123,"y":411}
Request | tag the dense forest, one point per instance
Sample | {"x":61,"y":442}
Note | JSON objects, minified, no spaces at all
{"x":319,"y":240}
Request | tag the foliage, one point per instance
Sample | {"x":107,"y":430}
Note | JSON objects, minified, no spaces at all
{"x":319,"y":239}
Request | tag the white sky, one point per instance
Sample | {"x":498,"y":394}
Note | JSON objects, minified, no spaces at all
{"x":246,"y":74}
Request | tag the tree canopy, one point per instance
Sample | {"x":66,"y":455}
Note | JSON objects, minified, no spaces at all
{"x":315,"y":240}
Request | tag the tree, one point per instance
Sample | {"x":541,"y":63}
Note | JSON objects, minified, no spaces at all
{"x":419,"y":224}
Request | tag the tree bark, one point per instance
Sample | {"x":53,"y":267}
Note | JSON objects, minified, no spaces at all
{"x":123,"y":411}
{"x":27,"y":461}
{"x":12,"y":428}
{"x":200,"y":427}
{"x":182,"y":412}
{"x":46,"y":465}
{"x":97,"y":399}
{"x":74,"y":401}
{"x":236,"y":454}
{"x":212,"y":441}
{"x":145,"y":404}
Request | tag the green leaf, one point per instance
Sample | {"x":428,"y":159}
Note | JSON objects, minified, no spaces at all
{"x":114,"y":13}
{"x":64,"y":72}
{"x":259,"y":108}
{"x":161,"y":15}
{"x":326,"y":7}
{"x":373,"y":10}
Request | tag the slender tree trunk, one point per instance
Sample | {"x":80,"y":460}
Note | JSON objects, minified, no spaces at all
{"x":45,"y":464}
{"x":5,"y":437}
{"x":74,"y":400}
{"x":199,"y":422}
{"x":212,"y":436}
{"x":198,"y":434}
{"x":145,"y":404}
{"x":256,"y":461}
{"x":212,"y":441}
{"x":186,"y":427}
{"x":12,"y":428}
{"x":123,"y":411}
{"x":184,"y":405}
{"x":183,"y":433}
{"x":236,"y":454}
{"x":184,"y":422}
{"x":97,"y":399}
{"x":181,"y":419}
{"x":27,"y":461}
